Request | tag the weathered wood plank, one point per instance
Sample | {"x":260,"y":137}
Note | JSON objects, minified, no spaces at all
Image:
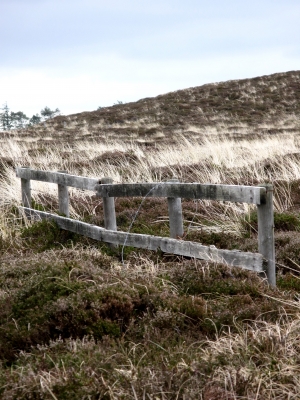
{"x":63,"y":198}
{"x":175,"y":215}
{"x":266,"y":243}
{"x":26,"y":192}
{"x":60,"y":178}
{"x":110,"y":221}
{"x":250,"y":261}
{"x":233,"y":193}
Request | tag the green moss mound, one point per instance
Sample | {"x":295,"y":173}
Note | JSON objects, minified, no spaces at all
{"x":44,"y":235}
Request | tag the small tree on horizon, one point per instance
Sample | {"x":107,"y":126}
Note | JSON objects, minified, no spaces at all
{"x":35,"y":119}
{"x":5,"y":118}
{"x":47,"y":113}
{"x":18,"y":120}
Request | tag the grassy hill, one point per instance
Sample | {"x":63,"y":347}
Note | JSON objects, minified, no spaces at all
{"x":80,"y":320}
{"x":260,"y":106}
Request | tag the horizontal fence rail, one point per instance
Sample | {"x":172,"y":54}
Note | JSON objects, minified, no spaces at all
{"x":250,"y":261}
{"x":233,"y":193}
{"x":174,"y":191}
{"x":60,"y":178}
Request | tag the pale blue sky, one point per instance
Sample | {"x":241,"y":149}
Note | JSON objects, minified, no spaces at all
{"x":78,"y":55}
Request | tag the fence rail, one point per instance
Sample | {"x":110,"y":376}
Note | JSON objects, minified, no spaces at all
{"x":233,"y":193}
{"x":261,"y":195}
{"x":250,"y":261}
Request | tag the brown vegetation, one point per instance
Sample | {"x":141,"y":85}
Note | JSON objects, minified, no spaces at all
{"x":81,"y":320}
{"x":259,"y":107}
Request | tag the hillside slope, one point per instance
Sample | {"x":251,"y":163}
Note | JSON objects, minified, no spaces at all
{"x":258,"y":106}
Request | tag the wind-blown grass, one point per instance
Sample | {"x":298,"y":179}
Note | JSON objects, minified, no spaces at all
{"x":80,"y":320}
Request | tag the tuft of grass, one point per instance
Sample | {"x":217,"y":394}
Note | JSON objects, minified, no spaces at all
{"x":284,"y":221}
{"x":44,"y":235}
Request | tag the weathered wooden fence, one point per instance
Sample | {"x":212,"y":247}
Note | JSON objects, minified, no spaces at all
{"x":262,"y":196}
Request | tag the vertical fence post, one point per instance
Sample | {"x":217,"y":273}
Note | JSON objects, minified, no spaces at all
{"x":175,"y":214}
{"x":26,"y":194}
{"x":109,"y":209}
{"x":63,"y":198}
{"x":265,"y":219}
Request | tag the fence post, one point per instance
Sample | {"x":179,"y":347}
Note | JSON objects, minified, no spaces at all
{"x":26,"y":194}
{"x":265,"y":219}
{"x":175,"y":214}
{"x":63,"y":198}
{"x":109,"y":209}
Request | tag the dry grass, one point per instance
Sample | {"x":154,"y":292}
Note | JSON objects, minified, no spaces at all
{"x":170,"y":352}
{"x":76,"y":322}
{"x":257,"y":107}
{"x":272,"y":159}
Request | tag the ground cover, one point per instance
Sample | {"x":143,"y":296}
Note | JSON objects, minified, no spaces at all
{"x":79,"y":319}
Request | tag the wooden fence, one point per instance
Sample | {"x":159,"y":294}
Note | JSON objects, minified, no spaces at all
{"x":262,"y":196}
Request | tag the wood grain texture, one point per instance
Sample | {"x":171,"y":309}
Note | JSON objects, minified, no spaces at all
{"x":60,"y":178}
{"x":233,"y":193}
{"x":63,"y":198}
{"x":250,"y":261}
{"x":175,"y":215}
{"x":109,"y":210}
{"x":266,"y":242}
{"x":26,"y":192}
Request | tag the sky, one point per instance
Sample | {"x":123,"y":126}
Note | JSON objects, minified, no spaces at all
{"x":79,"y":55}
